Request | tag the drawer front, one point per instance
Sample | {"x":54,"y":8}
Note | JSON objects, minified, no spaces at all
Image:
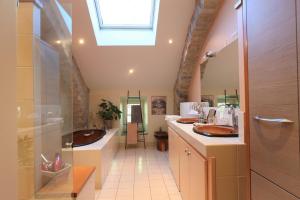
{"x":262,"y":189}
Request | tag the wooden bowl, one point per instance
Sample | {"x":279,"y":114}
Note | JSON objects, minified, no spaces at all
{"x":215,"y":131}
{"x":187,"y":120}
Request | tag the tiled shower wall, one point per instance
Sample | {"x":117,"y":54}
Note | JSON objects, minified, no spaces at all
{"x":27,"y":19}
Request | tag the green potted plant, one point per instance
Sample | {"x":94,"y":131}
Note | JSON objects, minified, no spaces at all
{"x":108,"y":112}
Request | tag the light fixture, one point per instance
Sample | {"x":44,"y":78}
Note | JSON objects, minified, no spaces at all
{"x":170,"y":41}
{"x":58,"y":41}
{"x":210,"y":54}
{"x":131,"y":71}
{"x":81,"y":41}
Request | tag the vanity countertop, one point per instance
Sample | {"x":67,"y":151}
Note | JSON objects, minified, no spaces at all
{"x":202,"y":144}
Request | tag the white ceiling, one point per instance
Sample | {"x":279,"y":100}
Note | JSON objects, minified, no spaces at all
{"x":155,"y":67}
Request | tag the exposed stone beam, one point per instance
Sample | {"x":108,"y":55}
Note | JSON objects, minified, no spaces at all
{"x":203,"y":17}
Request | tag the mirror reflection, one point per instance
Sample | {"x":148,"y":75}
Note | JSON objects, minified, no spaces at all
{"x":220,"y":77}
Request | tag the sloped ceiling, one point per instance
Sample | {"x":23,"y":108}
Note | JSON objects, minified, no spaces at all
{"x":155,"y":67}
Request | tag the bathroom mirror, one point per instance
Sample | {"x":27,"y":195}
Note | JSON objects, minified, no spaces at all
{"x":220,"y":77}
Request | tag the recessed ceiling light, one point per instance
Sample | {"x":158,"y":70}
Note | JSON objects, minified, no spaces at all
{"x":58,"y":41}
{"x":81,"y":41}
{"x":131,"y":71}
{"x":170,"y":41}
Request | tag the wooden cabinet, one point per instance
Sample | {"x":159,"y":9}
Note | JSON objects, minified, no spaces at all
{"x":273,"y":94}
{"x":189,"y":167}
{"x":198,"y":174}
{"x":174,"y":155}
{"x":262,"y":189}
{"x":184,"y":170}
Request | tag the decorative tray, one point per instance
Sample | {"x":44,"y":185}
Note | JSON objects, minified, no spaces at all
{"x":51,"y":174}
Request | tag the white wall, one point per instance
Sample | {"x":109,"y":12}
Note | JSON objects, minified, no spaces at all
{"x":8,"y":141}
{"x":154,"y":122}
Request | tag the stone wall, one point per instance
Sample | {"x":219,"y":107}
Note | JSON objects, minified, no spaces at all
{"x":80,"y":100}
{"x":203,"y":17}
{"x":74,"y":92}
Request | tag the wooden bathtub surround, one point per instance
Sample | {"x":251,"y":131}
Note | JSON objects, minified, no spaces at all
{"x":68,"y":185}
{"x":82,"y":137}
{"x":80,"y":176}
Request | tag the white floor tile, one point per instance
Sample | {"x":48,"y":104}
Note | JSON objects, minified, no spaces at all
{"x":139,"y":174}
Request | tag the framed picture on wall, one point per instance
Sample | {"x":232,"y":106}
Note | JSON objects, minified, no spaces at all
{"x":159,"y":105}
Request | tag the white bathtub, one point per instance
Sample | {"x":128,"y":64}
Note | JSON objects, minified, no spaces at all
{"x":99,"y":154}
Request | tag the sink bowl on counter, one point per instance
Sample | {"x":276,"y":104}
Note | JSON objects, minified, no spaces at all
{"x":215,"y":131}
{"x":187,"y":120}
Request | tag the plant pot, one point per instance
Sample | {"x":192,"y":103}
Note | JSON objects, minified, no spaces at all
{"x":108,"y":124}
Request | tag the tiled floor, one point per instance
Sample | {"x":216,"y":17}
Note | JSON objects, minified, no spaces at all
{"x":138,"y":174}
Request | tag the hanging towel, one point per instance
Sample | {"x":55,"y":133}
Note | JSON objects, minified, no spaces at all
{"x":132,"y":132}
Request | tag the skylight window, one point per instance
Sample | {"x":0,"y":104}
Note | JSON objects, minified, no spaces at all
{"x":126,"y":14}
{"x":124,"y":22}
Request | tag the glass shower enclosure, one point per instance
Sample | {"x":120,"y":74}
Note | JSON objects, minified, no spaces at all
{"x":44,"y":99}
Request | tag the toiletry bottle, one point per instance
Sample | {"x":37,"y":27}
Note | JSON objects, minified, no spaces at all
{"x":57,"y":162}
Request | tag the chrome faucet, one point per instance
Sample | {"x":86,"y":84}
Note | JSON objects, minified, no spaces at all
{"x":197,"y":107}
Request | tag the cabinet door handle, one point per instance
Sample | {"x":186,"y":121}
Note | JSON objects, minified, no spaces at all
{"x":189,"y":153}
{"x":186,"y":150}
{"x":278,"y":120}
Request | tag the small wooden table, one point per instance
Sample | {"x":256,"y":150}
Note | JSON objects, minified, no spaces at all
{"x":162,"y":140}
